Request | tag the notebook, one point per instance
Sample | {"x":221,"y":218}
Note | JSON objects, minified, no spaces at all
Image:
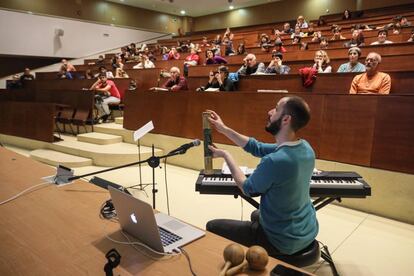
{"x":159,"y":231}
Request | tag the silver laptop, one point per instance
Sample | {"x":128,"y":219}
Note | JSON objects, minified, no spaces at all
{"x":159,"y":231}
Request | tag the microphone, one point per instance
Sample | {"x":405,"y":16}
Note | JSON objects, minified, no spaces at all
{"x":182,"y":149}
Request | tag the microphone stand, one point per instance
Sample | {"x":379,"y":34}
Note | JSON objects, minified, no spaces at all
{"x":153,"y":162}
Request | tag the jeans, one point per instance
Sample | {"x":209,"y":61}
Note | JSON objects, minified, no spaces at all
{"x":247,"y":233}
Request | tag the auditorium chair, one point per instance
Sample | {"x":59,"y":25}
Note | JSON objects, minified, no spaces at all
{"x":64,"y":117}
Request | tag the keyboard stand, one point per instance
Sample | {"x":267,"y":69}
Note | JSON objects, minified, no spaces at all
{"x":318,"y":203}
{"x":321,"y":202}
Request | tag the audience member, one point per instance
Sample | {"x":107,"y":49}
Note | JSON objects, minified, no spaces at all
{"x":27,"y":76}
{"x":322,"y":62}
{"x":411,"y":39}
{"x":204,"y":44}
{"x":15,"y":83}
{"x":217,"y":40}
{"x":287,"y":29}
{"x":321,"y":22}
{"x":404,"y":22}
{"x":173,"y":54}
{"x":310,"y":30}
{"x":353,"y":65}
{"x":303,"y":46}
{"x":265,"y":43}
{"x":125,"y":55}
{"x":276,"y":66}
{"x":301,"y":23}
{"x":279,"y":47}
{"x":212,"y":59}
{"x":337,"y":34}
{"x":144,"y":63}
{"x":64,"y":74}
{"x":297,"y":32}
{"x":103,"y":70}
{"x":176,"y":82}
{"x":382,"y":38}
{"x":357,"y":39}
{"x":251,"y":66}
{"x":296,"y":40}
{"x":220,"y":80}
{"x":323,"y":44}
{"x":346,"y":15}
{"x":316,"y":36}
{"x":228,"y":43}
{"x":132,"y":49}
{"x":120,"y":73}
{"x":372,"y":81}
{"x":192,"y":59}
{"x":88,"y":74}
{"x":106,"y":93}
{"x":100,"y":61}
{"x":241,"y":50}
{"x":68,"y":66}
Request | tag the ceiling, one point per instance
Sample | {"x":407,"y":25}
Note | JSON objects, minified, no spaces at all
{"x":193,"y":8}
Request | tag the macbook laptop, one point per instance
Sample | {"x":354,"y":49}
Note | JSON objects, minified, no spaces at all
{"x":159,"y":231}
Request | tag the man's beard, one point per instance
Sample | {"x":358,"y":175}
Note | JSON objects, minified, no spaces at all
{"x":274,"y":128}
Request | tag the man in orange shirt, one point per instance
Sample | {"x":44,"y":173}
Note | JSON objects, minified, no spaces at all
{"x":372,"y":81}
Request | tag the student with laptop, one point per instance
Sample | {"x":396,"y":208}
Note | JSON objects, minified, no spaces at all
{"x":159,"y":231}
{"x":286,"y":222}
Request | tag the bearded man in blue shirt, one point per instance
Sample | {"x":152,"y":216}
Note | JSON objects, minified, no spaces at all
{"x":286,"y":220}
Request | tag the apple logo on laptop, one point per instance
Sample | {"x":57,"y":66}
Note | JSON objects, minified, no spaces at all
{"x":133,"y":218}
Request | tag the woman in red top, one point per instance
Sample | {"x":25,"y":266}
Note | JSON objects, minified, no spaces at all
{"x":192,"y":59}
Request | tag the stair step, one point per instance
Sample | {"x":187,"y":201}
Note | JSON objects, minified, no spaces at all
{"x":55,"y":158}
{"x":103,"y":155}
{"x":99,"y":138}
{"x":119,"y":120}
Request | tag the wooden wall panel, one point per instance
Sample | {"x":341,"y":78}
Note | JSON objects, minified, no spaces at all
{"x":348,"y":128}
{"x":394,"y":134}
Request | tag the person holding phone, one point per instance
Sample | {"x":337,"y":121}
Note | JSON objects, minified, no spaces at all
{"x":286,"y":221}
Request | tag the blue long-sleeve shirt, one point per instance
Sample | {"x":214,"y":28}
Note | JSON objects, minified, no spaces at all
{"x":282,"y":179}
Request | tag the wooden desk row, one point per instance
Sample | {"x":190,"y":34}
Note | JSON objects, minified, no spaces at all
{"x":338,"y":83}
{"x":354,"y":129}
{"x":57,"y":231}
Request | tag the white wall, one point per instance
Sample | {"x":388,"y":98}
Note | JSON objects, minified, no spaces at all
{"x":34,"y":35}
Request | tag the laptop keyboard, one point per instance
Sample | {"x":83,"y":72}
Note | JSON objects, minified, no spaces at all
{"x":167,"y":237}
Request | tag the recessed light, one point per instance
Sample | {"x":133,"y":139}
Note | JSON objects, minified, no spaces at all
{"x":231,"y":7}
{"x":182,"y":11}
{"x":29,"y":12}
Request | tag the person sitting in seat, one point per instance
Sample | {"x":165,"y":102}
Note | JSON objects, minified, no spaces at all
{"x":106,"y":92}
{"x":382,"y":38}
{"x":297,"y":33}
{"x":322,"y":62}
{"x":251,"y":66}
{"x":301,"y":23}
{"x":68,"y":66}
{"x":220,"y":80}
{"x":64,"y":74}
{"x":144,"y":63}
{"x":27,"y":76}
{"x":353,"y":65}
{"x":192,"y":59}
{"x":357,"y":39}
{"x":287,"y":29}
{"x":286,"y":222}
{"x":214,"y":59}
{"x":276,"y":66}
{"x":175,"y":83}
{"x":103,"y":70}
{"x":173,"y":54}
{"x":337,"y":34}
{"x":372,"y":81}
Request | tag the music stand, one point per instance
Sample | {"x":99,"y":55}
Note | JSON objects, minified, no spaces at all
{"x":138,"y":134}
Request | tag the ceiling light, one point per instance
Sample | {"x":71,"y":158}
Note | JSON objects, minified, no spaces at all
{"x":182,"y":11}
{"x":231,"y":7}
